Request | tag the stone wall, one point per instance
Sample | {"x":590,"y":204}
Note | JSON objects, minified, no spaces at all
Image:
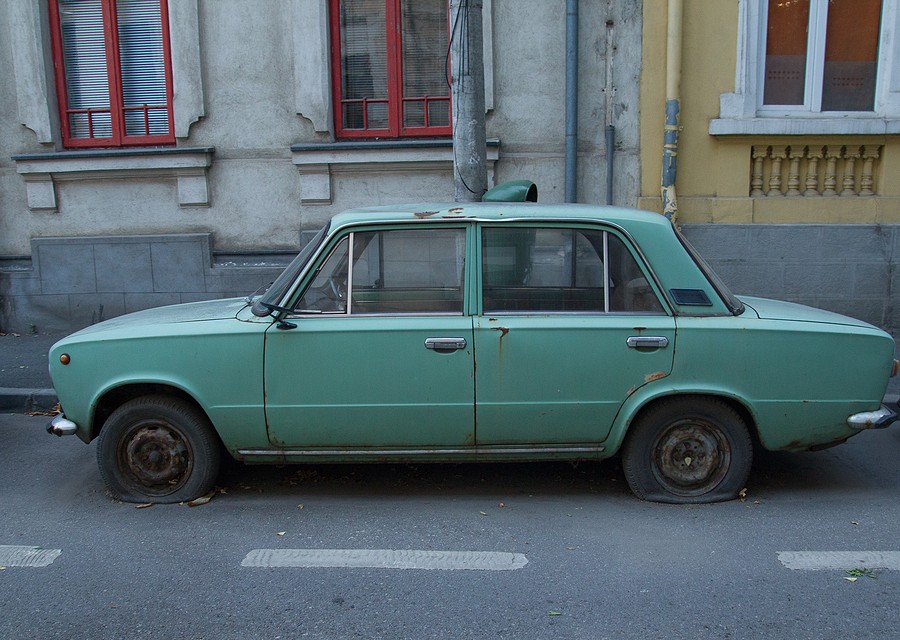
{"x":850,"y":269}
{"x":70,"y":283}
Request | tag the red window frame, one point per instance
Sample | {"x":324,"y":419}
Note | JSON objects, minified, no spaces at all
{"x":395,"y":99}
{"x":116,"y":108}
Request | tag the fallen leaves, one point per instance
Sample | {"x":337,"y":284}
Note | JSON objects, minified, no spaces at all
{"x":859,"y":572}
{"x":196,"y":502}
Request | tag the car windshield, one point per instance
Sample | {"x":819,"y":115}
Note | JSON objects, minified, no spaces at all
{"x":736,"y":306}
{"x":283,"y":282}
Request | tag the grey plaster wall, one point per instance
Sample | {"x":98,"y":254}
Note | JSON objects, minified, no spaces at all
{"x":850,"y":269}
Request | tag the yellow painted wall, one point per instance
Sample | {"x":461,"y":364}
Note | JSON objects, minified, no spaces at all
{"x":714,"y":173}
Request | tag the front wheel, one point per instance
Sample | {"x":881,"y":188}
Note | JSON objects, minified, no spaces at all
{"x":158,"y":449}
{"x":688,"y":450}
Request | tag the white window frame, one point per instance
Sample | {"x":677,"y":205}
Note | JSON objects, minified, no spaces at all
{"x":742,"y":113}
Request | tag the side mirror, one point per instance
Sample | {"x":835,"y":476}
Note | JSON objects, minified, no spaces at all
{"x":513,"y":191}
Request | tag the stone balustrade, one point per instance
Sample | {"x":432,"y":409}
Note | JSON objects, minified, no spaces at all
{"x":798,"y":171}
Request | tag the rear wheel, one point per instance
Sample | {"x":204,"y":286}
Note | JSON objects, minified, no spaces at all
{"x":158,"y":449}
{"x":688,"y":450}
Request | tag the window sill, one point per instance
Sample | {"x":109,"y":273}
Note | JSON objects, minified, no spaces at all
{"x":188,"y":165}
{"x":794,"y":126}
{"x":317,"y":162}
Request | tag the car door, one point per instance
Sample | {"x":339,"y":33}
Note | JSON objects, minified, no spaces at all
{"x":570,"y":326}
{"x":381,"y":354}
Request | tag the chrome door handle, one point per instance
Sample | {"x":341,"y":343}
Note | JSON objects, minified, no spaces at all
{"x":647,"y":342}
{"x":445,"y":344}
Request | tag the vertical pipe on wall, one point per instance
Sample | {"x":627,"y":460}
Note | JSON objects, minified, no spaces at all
{"x":467,"y":87}
{"x":673,"y":108}
{"x":610,"y":93}
{"x":571,"y":99}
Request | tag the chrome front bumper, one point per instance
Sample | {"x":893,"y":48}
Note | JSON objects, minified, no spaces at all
{"x":62,"y":426}
{"x":872,"y":419}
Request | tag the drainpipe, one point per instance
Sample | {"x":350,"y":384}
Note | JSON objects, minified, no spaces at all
{"x":673,"y":108}
{"x":610,"y":104}
{"x":571,"y":98}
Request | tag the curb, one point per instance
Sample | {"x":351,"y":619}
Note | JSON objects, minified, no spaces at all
{"x":27,"y":400}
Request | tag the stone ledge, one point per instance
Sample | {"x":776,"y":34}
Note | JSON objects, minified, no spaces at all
{"x":188,"y":165}
{"x":316,"y":162}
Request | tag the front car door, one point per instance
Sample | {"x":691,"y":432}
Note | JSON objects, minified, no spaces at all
{"x":382,"y":354}
{"x":570,"y":325}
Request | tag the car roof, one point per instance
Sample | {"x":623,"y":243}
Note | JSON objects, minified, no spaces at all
{"x":497,"y":211}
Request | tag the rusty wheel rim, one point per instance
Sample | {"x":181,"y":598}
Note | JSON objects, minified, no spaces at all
{"x":691,"y":457}
{"x":155,"y":457}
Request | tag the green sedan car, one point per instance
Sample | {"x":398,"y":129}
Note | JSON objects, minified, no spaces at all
{"x":476,"y":332}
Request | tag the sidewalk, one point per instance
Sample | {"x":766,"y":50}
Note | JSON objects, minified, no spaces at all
{"x":25,"y":384}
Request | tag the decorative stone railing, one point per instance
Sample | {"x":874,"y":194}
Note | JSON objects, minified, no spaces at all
{"x":795,"y":171}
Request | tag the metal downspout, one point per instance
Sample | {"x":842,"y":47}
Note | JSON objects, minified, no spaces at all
{"x":673,"y":109}
{"x":610,"y":103}
{"x":571,"y":99}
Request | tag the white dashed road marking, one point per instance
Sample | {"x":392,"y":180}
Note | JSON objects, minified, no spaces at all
{"x":385,"y":559}
{"x":821,"y":560}
{"x":16,"y":556}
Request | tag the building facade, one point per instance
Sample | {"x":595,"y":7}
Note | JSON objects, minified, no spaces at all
{"x":162,"y":151}
{"x":788,"y":155}
{"x":155,"y":152}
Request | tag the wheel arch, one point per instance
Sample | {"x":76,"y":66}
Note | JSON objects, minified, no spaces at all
{"x":115,"y":397}
{"x":636,"y":407}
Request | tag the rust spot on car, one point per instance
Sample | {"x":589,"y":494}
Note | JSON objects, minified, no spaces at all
{"x":492,"y":319}
{"x":425,"y":214}
{"x":503,"y":331}
{"x":455,"y":211}
{"x":630,"y":391}
{"x":659,"y":375}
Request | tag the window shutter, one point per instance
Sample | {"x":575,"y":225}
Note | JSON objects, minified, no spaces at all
{"x":87,"y":83}
{"x":425,"y":63}
{"x":143,"y":67}
{"x":364,"y":64}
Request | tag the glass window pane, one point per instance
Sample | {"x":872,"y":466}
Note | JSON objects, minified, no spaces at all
{"x":143,"y":65}
{"x":629,"y":289}
{"x":424,"y":52}
{"x":408,"y":271}
{"x":851,"y":55}
{"x":363,"y":58}
{"x":786,"y":44}
{"x":84,"y":59}
{"x":327,"y":292}
{"x":542,"y":270}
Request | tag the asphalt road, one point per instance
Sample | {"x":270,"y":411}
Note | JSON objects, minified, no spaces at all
{"x":600,"y":563}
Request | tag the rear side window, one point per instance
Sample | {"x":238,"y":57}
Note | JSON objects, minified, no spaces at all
{"x":559,"y":270}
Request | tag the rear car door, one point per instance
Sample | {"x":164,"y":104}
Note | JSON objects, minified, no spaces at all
{"x":570,"y":325}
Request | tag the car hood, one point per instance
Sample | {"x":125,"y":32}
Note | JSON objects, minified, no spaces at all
{"x":174,"y":314}
{"x":768,"y":309}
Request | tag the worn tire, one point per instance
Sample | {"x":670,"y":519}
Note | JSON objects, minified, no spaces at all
{"x":158,"y":449}
{"x":688,"y":450}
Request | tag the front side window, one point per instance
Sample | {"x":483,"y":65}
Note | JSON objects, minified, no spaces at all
{"x":557,"y":270}
{"x":389,"y":68}
{"x":395,"y":271}
{"x":113,"y":68}
{"x":821,"y":55}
